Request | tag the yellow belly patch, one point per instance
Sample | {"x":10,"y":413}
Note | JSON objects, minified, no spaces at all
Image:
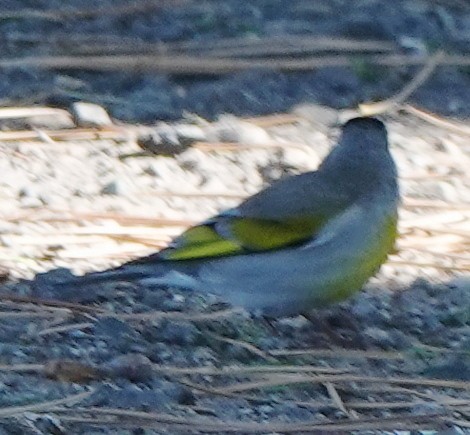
{"x":365,"y":266}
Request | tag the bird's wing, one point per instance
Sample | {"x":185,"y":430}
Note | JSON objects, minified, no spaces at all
{"x":347,"y":251}
{"x":286,"y":213}
{"x":229,"y":235}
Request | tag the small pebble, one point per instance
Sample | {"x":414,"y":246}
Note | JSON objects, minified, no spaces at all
{"x":90,"y":115}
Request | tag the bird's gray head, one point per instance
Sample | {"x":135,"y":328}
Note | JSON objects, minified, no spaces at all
{"x":361,"y":156}
{"x":364,"y":133}
{"x":362,"y":141}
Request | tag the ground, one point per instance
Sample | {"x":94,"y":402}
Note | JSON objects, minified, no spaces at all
{"x":128,"y":358}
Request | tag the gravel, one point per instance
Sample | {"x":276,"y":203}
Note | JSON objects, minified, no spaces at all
{"x":156,"y":360}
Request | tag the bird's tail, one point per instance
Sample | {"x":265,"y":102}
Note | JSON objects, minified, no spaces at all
{"x":61,"y":284}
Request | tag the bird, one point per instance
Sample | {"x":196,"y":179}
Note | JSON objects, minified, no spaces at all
{"x":302,"y":243}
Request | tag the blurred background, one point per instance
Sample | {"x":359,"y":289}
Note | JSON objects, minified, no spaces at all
{"x":153,"y":60}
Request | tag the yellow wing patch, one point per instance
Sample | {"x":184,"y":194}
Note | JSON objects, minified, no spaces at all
{"x":242,"y":235}
{"x":200,"y":242}
{"x":261,"y":235}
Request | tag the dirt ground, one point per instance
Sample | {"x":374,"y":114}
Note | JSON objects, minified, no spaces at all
{"x":125,"y":358}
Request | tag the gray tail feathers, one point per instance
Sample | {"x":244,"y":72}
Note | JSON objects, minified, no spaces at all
{"x":61,"y":284}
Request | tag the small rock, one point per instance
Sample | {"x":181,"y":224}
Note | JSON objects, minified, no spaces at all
{"x":27,"y":192}
{"x":90,"y":115}
{"x":178,"y":333}
{"x":115,"y":187}
{"x":169,"y":140}
{"x":230,"y":129}
{"x":161,"y":143}
{"x":134,"y":367}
